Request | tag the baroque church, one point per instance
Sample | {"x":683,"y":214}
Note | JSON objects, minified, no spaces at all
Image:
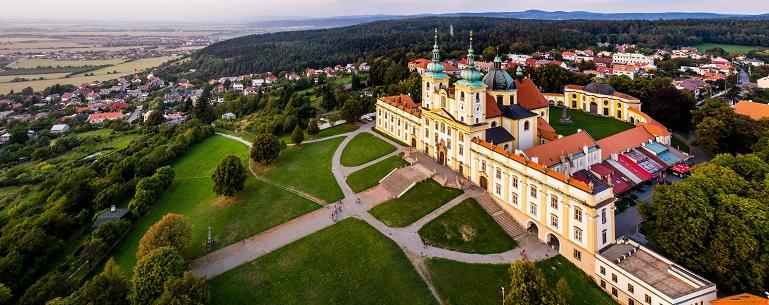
{"x":494,"y":130}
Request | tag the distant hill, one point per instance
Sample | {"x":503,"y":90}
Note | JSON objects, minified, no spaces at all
{"x":529,"y":14}
{"x":406,"y":39}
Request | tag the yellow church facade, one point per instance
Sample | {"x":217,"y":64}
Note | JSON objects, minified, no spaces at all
{"x":479,"y":127}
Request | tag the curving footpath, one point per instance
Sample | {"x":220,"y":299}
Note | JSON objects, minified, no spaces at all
{"x":407,"y":238}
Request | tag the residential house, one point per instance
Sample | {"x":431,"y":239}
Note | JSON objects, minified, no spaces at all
{"x":228,"y":116}
{"x":98,"y":118}
{"x":752,"y":109}
{"x":763,"y":82}
{"x":59,"y":128}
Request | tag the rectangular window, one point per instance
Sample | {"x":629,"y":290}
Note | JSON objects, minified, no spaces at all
{"x":603,"y":216}
{"x":498,"y":189}
{"x":577,"y":255}
{"x":461,"y":136}
{"x":533,"y":192}
{"x":603,"y":284}
{"x":630,"y":302}
{"x":577,"y":234}
{"x":648,"y":299}
{"x":499,"y":174}
{"x":461,"y":150}
{"x":483,"y":166}
{"x":515,"y":182}
{"x":514,"y":199}
{"x":448,"y":132}
{"x":578,"y":214}
{"x":603,"y":236}
{"x":613,"y":277}
{"x":554,"y":221}
{"x":554,"y":202}
{"x":630,"y":288}
{"x":533,"y":209}
{"x":614,"y":292}
{"x":603,"y":270}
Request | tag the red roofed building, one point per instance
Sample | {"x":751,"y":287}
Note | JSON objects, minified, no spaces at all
{"x":97,"y":118}
{"x":567,"y":154}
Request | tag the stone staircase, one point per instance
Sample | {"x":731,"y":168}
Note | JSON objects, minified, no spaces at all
{"x":401,"y":180}
{"x":504,"y":219}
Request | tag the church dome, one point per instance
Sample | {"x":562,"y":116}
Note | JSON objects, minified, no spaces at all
{"x":498,"y":79}
{"x":435,"y":67}
{"x":600,"y":88}
{"x":471,"y":74}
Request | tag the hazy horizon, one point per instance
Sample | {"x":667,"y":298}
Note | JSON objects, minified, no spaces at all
{"x":233,"y":11}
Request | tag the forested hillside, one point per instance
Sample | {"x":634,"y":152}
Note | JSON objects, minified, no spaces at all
{"x":398,"y":38}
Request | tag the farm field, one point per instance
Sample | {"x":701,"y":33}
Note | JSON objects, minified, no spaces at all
{"x":731,"y":48}
{"x":42,"y":62}
{"x":10,"y":78}
{"x":257,"y":208}
{"x":122,"y":69}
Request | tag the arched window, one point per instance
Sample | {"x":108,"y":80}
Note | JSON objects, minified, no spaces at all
{"x":526,"y":126}
{"x":499,"y":99}
{"x":462,"y":96}
{"x":477,"y":96}
{"x":493,"y":124}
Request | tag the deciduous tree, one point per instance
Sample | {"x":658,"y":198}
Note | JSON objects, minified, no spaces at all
{"x":173,"y":230}
{"x":151,"y":273}
{"x":265,"y":149}
{"x":297,"y":136}
{"x":185,"y":290}
{"x":528,"y":286}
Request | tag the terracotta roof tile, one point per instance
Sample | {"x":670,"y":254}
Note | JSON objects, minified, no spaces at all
{"x":625,"y":140}
{"x":741,"y":299}
{"x":492,"y":110}
{"x":545,"y":130}
{"x":529,"y":95}
{"x":550,"y":153}
{"x":754,"y":110}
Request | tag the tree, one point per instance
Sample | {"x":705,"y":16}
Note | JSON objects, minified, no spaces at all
{"x":111,"y":286}
{"x":297,"y":136}
{"x":173,"y":230}
{"x":49,"y":287}
{"x":151,"y":273}
{"x":563,"y":289}
{"x":154,"y":118}
{"x":671,"y":107}
{"x":185,"y":290}
{"x":265,"y":148}
{"x":312,"y":128}
{"x":229,"y":176}
{"x":528,"y":286}
{"x":5,"y":294}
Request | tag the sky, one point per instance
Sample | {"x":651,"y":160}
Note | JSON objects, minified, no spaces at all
{"x":253,"y":10}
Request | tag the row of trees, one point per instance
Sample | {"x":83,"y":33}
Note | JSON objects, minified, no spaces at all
{"x":68,"y":196}
{"x":297,"y":50}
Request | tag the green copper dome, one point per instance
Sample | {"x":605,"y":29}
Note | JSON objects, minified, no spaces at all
{"x":435,"y":67}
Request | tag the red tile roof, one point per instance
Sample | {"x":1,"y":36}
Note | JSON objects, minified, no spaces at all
{"x":529,"y":96}
{"x":622,"y":141}
{"x":741,"y":299}
{"x":497,"y":149}
{"x":105,"y":116}
{"x":492,"y":110}
{"x":550,"y":153}
{"x":403,"y":102}
{"x":754,"y":110}
{"x":546,"y":131}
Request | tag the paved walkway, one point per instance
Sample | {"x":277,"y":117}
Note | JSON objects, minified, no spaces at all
{"x":406,"y":238}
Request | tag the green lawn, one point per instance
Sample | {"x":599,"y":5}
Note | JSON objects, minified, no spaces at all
{"x":247,"y":136}
{"x":480,"y":284}
{"x":257,"y":208}
{"x":369,"y":177}
{"x":419,"y":201}
{"x":729,"y":48}
{"x":333,"y":131}
{"x":104,"y":132}
{"x":348,"y":263}
{"x":307,"y":168}
{"x":467,"y":228}
{"x":597,"y":126}
{"x":364,"y":148}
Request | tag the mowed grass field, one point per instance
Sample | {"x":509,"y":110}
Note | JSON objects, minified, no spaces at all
{"x":347,"y":263}
{"x":420,"y":200}
{"x":307,"y":168}
{"x":369,"y":177}
{"x":479,"y":284}
{"x":122,"y":69}
{"x":598,"y":127}
{"x":467,"y":228}
{"x":363,"y":148}
{"x":730,"y":48}
{"x":257,"y":208}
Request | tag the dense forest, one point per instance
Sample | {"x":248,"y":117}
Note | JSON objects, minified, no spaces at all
{"x":411,"y":37}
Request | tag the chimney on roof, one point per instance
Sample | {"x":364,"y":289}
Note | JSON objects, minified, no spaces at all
{"x":112,"y":208}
